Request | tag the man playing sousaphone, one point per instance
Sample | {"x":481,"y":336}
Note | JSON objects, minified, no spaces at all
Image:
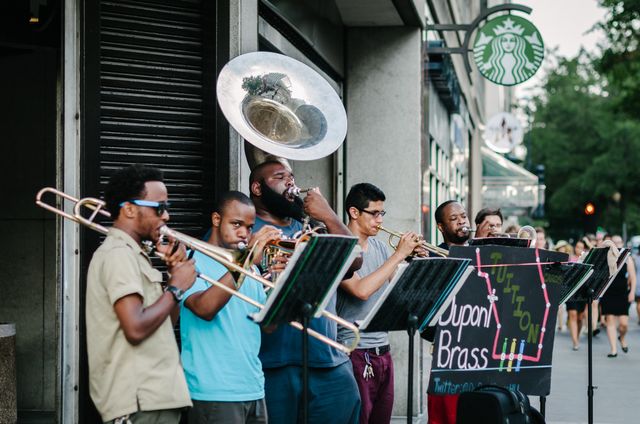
{"x":284,"y":108}
{"x":333,"y":393}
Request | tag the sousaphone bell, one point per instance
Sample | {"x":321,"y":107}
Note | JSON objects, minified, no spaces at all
{"x":281,"y":106}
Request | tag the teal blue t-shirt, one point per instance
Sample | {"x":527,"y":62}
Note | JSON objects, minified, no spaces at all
{"x":220,"y":357}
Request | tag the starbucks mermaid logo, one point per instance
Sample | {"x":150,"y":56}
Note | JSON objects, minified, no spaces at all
{"x":508,"y":50}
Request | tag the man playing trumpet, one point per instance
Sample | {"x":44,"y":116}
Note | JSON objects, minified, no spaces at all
{"x":371,"y":360}
{"x":451,"y":219}
{"x":220,"y":345}
{"x":488,"y":223}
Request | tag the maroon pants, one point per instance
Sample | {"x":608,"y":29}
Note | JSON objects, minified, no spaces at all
{"x":376,"y":393}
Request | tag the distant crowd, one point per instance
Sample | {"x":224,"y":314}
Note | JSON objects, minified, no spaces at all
{"x":611,"y":311}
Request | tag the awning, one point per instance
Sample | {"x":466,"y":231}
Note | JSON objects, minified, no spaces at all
{"x":506,"y":185}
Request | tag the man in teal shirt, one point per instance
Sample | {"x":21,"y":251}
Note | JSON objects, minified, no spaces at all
{"x":220,"y":344}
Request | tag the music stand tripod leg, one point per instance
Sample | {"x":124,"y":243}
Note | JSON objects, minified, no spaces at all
{"x":412,"y":326}
{"x":306,"y":312}
{"x":590,"y":386}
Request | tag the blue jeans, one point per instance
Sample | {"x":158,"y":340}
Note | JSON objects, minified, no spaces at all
{"x":333,"y":395}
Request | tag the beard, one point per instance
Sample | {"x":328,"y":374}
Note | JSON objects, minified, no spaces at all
{"x":454,"y":238}
{"x":277,"y":204}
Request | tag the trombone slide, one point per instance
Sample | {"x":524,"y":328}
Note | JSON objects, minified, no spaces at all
{"x":221,"y":255}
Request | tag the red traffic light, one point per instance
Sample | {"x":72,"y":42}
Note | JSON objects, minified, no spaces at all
{"x":589,"y":209}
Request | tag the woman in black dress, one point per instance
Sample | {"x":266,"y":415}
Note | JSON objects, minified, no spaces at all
{"x":615,"y":304}
{"x":576,"y":309}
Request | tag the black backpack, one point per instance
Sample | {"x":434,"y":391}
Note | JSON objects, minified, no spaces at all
{"x":496,"y":405}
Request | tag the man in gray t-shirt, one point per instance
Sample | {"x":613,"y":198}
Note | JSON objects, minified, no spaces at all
{"x":372,"y":364}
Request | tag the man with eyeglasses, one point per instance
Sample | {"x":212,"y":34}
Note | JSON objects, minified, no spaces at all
{"x":333,"y":393}
{"x":488,"y":223}
{"x":371,"y":360}
{"x":134,"y":364}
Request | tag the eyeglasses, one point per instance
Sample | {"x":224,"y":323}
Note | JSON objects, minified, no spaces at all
{"x":375,"y":214}
{"x":160,"y":207}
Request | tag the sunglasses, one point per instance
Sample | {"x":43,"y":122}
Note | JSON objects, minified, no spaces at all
{"x":375,"y":214}
{"x":160,"y":207}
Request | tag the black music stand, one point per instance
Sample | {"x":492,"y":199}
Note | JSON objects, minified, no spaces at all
{"x":573,"y":276}
{"x":595,"y":286}
{"x":304,"y":288}
{"x":419,"y":293}
{"x":500,"y":241}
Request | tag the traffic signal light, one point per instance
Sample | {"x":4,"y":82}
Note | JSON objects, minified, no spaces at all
{"x":589,"y":209}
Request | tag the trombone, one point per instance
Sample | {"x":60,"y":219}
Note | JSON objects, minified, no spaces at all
{"x":423,"y":243}
{"x":226,"y":257}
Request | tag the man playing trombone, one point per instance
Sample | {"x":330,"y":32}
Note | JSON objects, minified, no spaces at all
{"x":372,"y":363}
{"x":134,"y":365}
{"x":220,"y":345}
{"x":333,"y":393}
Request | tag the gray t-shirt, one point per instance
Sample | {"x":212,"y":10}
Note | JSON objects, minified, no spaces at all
{"x":352,"y":308}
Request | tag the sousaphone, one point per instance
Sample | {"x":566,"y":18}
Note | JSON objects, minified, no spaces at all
{"x":281,"y":106}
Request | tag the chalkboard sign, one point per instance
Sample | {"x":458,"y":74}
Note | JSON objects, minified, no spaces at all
{"x":500,"y":327}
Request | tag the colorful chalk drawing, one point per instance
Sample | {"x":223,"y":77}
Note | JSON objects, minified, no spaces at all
{"x":492,"y":299}
{"x":474,"y":346}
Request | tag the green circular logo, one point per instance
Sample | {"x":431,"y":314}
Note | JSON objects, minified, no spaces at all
{"x":508,"y":50}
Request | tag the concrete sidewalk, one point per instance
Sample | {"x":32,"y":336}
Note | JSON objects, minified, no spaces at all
{"x":617,"y":397}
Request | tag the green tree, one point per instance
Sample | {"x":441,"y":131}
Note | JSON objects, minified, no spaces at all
{"x":620,"y":60}
{"x":590,"y":150}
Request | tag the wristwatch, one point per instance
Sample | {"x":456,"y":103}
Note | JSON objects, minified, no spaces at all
{"x":177,"y":293}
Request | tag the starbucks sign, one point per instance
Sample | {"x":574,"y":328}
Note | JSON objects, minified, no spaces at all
{"x":508,"y":50}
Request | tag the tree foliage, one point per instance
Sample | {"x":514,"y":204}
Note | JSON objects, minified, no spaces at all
{"x":620,"y":61}
{"x":590,"y":149}
{"x":587,"y":131}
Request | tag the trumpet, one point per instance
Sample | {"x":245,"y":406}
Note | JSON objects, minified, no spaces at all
{"x":525,"y":232}
{"x":228,"y":258}
{"x":423,"y":243}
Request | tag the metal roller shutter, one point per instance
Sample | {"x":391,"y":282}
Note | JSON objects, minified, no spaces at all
{"x":148,"y":97}
{"x":152,"y":84}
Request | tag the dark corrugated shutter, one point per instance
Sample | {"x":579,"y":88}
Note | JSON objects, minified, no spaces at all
{"x":151,"y":100}
{"x":148,"y":97}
